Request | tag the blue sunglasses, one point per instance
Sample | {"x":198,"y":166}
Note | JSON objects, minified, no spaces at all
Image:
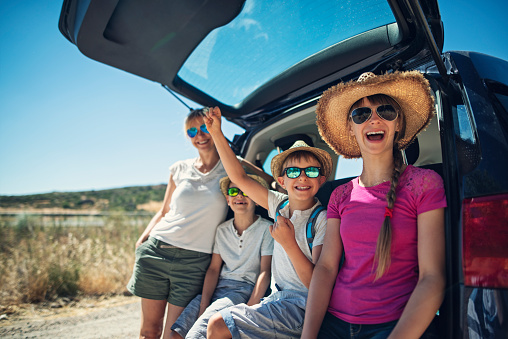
{"x":193,"y":131}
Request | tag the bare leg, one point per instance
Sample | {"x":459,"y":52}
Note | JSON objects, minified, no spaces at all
{"x":152,"y":318}
{"x":173,"y":314}
{"x":217,"y":328}
{"x":174,"y":335}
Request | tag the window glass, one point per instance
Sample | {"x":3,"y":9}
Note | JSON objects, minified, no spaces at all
{"x":348,"y":168}
{"x":268,"y":161}
{"x":269,"y":37}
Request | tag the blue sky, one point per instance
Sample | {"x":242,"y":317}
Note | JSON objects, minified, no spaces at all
{"x":68,"y":123}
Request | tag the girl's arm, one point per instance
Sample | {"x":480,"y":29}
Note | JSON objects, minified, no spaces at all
{"x":162,"y":212}
{"x":234,"y":169}
{"x":263,"y":280}
{"x":429,"y":291}
{"x":323,"y":279}
{"x":210,"y":283}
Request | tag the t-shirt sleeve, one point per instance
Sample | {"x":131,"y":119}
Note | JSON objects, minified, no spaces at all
{"x":320,"y":225}
{"x":432,"y":195}
{"x":267,"y":244}
{"x":218,"y":237}
{"x":274,"y":198}
{"x":176,"y":168}
{"x":333,"y":208}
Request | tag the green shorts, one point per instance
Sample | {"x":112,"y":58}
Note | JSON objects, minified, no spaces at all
{"x":165,"y":272}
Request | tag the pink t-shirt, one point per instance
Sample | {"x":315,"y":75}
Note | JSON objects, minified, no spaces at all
{"x":356,"y":297}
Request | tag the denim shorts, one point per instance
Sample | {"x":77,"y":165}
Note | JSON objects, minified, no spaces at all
{"x":227,"y":293}
{"x":165,"y":272}
{"x":333,"y":327}
{"x":280,"y":315}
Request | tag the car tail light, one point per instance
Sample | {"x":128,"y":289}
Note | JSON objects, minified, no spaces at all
{"x":485,"y":241}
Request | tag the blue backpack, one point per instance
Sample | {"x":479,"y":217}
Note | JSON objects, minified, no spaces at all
{"x":311,"y":222}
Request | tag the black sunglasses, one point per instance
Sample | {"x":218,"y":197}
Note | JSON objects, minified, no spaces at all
{"x":362,"y":114}
{"x":234,"y":191}
{"x":295,"y":172}
{"x":193,"y":131}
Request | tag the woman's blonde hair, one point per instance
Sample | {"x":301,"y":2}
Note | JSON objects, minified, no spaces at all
{"x":384,"y":240}
{"x":193,"y":114}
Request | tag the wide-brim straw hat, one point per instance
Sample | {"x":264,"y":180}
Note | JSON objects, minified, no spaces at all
{"x":224,"y":183}
{"x":322,"y":156}
{"x":409,"y":89}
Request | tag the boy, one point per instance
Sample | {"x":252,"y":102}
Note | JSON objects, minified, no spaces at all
{"x":244,"y":245}
{"x":300,"y":170}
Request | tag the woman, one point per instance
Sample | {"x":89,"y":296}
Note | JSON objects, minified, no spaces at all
{"x":388,"y":223}
{"x":174,"y":251}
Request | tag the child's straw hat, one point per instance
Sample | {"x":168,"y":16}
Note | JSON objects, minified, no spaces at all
{"x":322,"y":156}
{"x":409,"y":89}
{"x":224,"y":183}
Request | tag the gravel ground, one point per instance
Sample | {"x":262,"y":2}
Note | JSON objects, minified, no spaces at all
{"x":117,"y":317}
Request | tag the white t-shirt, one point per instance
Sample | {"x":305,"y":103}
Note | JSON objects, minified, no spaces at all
{"x":283,"y":272}
{"x":242,"y":253}
{"x":197,"y":207}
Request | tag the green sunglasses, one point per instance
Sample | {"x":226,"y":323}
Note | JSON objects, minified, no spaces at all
{"x":295,"y":172}
{"x":234,"y":191}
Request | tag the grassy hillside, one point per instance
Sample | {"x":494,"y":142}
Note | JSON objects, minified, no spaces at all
{"x":125,"y":199}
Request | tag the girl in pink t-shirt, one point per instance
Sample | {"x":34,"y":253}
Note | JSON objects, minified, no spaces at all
{"x":388,"y":223}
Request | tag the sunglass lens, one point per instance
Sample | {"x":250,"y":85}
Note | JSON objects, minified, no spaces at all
{"x":203,"y":128}
{"x":361,"y":114}
{"x":191,"y":132}
{"x":312,"y":172}
{"x":293,"y":172}
{"x":233,"y":191}
{"x":387,"y":112}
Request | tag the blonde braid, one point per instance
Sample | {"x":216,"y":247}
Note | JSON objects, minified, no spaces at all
{"x":384,"y":240}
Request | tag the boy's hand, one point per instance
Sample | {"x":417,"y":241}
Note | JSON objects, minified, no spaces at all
{"x":283,"y":232}
{"x":213,"y":119}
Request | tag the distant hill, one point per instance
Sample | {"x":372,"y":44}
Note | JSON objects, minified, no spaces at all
{"x":128,"y":199}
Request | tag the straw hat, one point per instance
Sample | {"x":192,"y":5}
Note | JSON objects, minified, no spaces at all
{"x":409,"y":89}
{"x":224,"y":183}
{"x":322,"y":156}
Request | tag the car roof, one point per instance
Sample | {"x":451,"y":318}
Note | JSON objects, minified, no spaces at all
{"x":249,"y":57}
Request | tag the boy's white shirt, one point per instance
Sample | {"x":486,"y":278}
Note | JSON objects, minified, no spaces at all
{"x":283,"y":272}
{"x":242,"y":254}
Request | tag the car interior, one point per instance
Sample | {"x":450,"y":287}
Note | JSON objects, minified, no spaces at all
{"x":424,"y":152}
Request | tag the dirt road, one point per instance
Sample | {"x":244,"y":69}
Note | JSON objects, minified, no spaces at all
{"x":118,"y":319}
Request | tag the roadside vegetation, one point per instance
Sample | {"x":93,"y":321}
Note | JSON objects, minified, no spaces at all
{"x":45,"y":257}
{"x":126,"y":199}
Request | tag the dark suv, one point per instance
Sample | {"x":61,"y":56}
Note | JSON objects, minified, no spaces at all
{"x":266,"y":63}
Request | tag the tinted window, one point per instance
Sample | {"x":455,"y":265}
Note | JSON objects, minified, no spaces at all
{"x":269,"y":37}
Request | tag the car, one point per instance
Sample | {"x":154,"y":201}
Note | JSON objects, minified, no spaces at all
{"x":266,"y":63}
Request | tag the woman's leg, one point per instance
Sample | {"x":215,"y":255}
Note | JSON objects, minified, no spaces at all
{"x":152,"y":318}
{"x":217,"y":328}
{"x":173,"y":314}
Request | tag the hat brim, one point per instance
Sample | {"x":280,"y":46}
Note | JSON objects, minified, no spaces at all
{"x":409,"y":89}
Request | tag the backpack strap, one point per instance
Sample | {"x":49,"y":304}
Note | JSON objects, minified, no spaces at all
{"x":311,"y":225}
{"x":280,"y":206}
{"x":310,"y":230}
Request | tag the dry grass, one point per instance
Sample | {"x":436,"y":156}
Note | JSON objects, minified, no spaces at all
{"x":40,"y":262}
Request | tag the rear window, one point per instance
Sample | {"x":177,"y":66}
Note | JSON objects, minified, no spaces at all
{"x":269,"y":37}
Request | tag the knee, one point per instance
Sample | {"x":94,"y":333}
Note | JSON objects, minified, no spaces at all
{"x":217,"y":327}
